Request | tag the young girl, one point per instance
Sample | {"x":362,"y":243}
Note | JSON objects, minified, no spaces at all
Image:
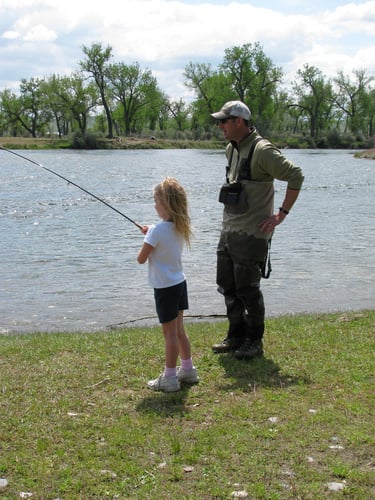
{"x":162,"y":247}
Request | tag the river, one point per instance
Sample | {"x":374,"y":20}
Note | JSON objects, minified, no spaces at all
{"x":68,"y":262}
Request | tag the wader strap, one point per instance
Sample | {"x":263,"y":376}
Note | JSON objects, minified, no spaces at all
{"x":244,"y":172}
{"x":250,"y":156}
{"x":267,"y":262}
{"x":227,"y":168}
{"x":245,"y":168}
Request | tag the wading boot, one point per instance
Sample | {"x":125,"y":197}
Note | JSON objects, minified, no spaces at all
{"x":250,"y":349}
{"x":226,"y":345}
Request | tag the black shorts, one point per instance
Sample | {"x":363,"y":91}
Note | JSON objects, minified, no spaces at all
{"x":169,"y":301}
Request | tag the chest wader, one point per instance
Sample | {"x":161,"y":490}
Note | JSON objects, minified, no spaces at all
{"x":242,"y":254}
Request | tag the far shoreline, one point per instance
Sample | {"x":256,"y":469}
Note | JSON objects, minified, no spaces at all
{"x":117,"y":143}
{"x":125,"y":143}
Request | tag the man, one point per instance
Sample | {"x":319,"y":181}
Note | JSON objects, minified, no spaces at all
{"x":248,"y":224}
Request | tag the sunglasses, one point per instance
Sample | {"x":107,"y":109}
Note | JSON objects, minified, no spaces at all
{"x":224,"y":120}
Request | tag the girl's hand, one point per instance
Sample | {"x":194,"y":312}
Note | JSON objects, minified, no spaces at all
{"x":144,"y":229}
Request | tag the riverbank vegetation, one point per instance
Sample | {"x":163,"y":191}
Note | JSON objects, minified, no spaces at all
{"x":93,"y":141}
{"x":113,"y":100}
{"x":78,"y":421}
{"x":132,"y":143}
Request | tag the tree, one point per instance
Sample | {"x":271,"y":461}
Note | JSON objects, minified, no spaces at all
{"x":95,"y":64}
{"x":10,"y":106}
{"x":254,"y":79}
{"x":314,"y":99}
{"x":133,"y":88}
{"x":179,"y":112}
{"x":246,"y":74}
{"x":161,"y":115}
{"x":369,"y":118}
{"x":72,"y":99}
{"x":211,"y":88}
{"x":352,"y":99}
{"x":197,"y":76}
{"x":60,"y":111}
{"x":29,"y":109}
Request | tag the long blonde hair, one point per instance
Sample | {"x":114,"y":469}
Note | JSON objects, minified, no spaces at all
{"x":173,"y":196}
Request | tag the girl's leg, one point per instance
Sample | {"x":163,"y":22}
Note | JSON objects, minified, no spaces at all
{"x":170,"y":330}
{"x":184,"y":347}
{"x":168,"y":381}
{"x":187,"y":373}
{"x":177,"y":342}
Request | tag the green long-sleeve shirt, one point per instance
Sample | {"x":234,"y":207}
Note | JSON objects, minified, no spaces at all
{"x":268,"y":162}
{"x":256,"y":200}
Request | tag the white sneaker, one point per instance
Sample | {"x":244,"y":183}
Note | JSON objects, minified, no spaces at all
{"x":188,"y":376}
{"x":165,"y":384}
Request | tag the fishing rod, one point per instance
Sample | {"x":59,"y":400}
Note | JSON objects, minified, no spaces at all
{"x":73,"y":183}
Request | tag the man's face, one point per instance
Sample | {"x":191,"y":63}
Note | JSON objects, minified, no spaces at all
{"x":230,"y":128}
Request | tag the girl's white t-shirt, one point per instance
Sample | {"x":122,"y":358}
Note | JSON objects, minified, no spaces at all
{"x":165,"y":261}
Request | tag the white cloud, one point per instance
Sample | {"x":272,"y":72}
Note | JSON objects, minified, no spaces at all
{"x":10,"y":35}
{"x":39,"y":33}
{"x":164,"y":36}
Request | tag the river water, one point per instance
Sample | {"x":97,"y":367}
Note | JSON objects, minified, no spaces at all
{"x":68,"y":262}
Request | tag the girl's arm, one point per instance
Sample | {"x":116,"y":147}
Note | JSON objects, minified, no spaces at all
{"x":144,"y":252}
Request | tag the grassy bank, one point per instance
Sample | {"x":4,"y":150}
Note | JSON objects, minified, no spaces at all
{"x":118,"y":143}
{"x":77,"y":421}
{"x":142,"y":143}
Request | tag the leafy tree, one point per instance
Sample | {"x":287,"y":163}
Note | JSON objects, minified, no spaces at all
{"x":245,"y":74}
{"x":197,"y":77}
{"x":160,"y":114}
{"x":313,"y":99}
{"x":352,"y":99}
{"x":133,"y":88}
{"x":200,"y":110}
{"x":10,"y":105}
{"x":211,"y":88}
{"x":130,"y":101}
{"x":61,"y":112}
{"x":281,"y":119}
{"x":254,"y":79}
{"x":73,"y":97}
{"x":179,"y":112}
{"x":28,"y":109}
{"x":95,"y":64}
{"x":369,"y":118}
{"x":35,"y":116}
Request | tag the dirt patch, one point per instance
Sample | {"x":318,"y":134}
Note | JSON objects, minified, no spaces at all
{"x":369,"y":154}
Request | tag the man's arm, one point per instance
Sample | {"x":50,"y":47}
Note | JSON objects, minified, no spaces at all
{"x":268,"y":225}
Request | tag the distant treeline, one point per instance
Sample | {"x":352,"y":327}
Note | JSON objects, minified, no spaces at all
{"x":113,"y":99}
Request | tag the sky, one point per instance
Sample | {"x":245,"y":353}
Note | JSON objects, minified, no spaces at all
{"x":39,"y":38}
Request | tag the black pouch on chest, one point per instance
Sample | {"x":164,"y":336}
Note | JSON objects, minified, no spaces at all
{"x":230,"y":193}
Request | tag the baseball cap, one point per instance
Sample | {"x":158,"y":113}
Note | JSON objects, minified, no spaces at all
{"x":233,"y":108}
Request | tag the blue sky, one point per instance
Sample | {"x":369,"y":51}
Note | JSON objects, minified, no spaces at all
{"x":43,"y":37}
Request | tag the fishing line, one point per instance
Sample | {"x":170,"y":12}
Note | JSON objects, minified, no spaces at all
{"x":74,"y":184}
{"x":145,"y":318}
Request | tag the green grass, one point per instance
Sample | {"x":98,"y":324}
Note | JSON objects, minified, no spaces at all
{"x":77,"y":421}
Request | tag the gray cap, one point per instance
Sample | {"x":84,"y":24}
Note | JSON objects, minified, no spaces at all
{"x":233,"y":108}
